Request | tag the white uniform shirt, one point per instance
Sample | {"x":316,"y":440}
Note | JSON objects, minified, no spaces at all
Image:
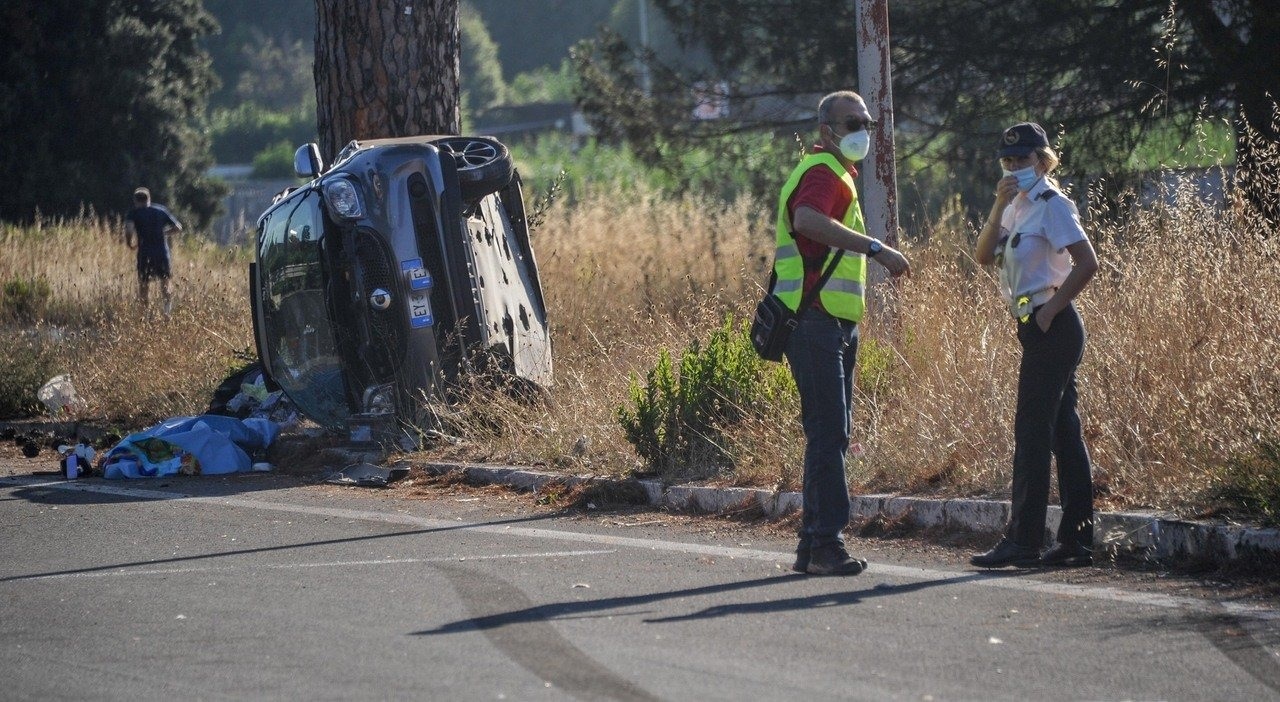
{"x":1035,"y":231}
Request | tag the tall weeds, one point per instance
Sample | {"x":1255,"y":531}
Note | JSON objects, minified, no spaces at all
{"x":130,"y":364}
{"x":1179,"y":371}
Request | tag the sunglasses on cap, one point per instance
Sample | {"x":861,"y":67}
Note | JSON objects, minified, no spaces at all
{"x":855,"y":124}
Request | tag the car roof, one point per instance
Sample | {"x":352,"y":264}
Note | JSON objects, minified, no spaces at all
{"x":416,"y":139}
{"x":355,"y":146}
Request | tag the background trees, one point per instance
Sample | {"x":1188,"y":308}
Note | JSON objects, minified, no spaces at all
{"x":1105,"y":72}
{"x":533,"y":34}
{"x":90,"y":91}
{"x":483,"y":85}
{"x":245,"y":34}
{"x":1099,"y":73}
{"x":100,"y":96}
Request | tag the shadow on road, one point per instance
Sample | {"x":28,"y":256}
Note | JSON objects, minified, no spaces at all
{"x":1243,"y":643}
{"x":52,"y":489}
{"x":270,"y":549}
{"x":480,"y":590}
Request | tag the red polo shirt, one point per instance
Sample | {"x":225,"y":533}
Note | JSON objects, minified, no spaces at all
{"x":821,"y":189}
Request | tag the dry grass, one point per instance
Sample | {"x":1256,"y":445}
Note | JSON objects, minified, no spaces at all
{"x":129,"y":365}
{"x":1179,"y":371}
{"x":621,"y":279}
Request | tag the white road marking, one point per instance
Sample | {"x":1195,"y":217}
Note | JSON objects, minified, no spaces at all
{"x":327,"y":564}
{"x":1020,"y":583}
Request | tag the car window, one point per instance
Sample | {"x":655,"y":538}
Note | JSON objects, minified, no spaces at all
{"x":304,"y":357}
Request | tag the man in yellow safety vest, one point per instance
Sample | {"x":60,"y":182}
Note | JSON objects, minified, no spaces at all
{"x":818,"y":217}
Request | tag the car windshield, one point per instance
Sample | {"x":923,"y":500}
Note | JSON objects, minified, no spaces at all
{"x":303,"y":355}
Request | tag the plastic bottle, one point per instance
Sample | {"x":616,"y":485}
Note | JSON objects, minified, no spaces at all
{"x":73,"y":468}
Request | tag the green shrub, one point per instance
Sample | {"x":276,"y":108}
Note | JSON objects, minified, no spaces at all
{"x":676,"y":418}
{"x":239,"y":134}
{"x":759,"y":163}
{"x":275,"y":161}
{"x":1252,"y":481}
{"x":23,"y":369}
{"x":25,"y":300}
{"x":545,"y":84}
{"x":875,"y":367}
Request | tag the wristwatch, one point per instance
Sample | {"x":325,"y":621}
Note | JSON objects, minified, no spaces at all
{"x":874,"y":248}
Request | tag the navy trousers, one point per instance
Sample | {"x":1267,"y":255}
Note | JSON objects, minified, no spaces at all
{"x":1047,"y":426}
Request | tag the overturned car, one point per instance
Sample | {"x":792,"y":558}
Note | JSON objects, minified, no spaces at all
{"x":396,"y":270}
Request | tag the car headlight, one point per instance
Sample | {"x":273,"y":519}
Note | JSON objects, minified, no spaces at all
{"x":342,"y":198}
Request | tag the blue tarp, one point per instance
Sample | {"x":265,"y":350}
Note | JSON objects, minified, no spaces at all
{"x":207,"y":444}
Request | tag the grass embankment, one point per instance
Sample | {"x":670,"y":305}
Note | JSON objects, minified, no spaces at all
{"x":1180,"y":390}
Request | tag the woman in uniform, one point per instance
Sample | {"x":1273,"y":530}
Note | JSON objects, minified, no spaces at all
{"x":1033,"y":236}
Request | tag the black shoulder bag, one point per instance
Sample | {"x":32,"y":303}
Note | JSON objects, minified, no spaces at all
{"x":774,"y":321}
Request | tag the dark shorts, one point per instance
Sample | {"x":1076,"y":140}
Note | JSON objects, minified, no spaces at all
{"x":152,"y":266}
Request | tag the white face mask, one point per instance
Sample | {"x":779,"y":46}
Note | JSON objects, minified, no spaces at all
{"x":854,"y":145}
{"x":1027,"y":177}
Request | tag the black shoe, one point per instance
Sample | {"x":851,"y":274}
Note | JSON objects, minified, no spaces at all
{"x":834,"y":560}
{"x":1007,"y":553}
{"x":802,"y":559}
{"x":1067,"y":556}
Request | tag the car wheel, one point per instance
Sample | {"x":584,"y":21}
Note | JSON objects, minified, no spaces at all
{"x":484,"y":164}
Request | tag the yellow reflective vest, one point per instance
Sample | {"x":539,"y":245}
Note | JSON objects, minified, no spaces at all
{"x":842,"y":296}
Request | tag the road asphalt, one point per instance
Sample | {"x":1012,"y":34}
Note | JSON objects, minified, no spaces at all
{"x":275,"y":585}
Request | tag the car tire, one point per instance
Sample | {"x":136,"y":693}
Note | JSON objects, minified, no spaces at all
{"x":484,"y":164}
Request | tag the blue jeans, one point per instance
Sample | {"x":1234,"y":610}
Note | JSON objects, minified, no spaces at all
{"x":822,"y":351}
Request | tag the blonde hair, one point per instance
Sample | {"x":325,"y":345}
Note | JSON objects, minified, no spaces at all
{"x":1050,"y":159}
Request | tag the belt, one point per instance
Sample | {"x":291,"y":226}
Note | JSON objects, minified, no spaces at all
{"x":1043,"y":296}
{"x":823,"y":314}
{"x":1023,"y":305}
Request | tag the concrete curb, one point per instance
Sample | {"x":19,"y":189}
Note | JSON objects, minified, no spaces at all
{"x":1152,"y":535}
{"x":1143,"y":534}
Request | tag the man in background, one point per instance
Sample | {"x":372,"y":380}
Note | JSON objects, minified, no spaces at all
{"x":147,"y":229}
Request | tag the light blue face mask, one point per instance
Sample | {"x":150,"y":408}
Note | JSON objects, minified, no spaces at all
{"x":1027,"y":177}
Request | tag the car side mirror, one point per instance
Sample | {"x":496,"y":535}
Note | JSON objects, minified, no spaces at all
{"x":306,"y":161}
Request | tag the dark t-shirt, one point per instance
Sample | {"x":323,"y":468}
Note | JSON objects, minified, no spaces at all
{"x":150,"y":223}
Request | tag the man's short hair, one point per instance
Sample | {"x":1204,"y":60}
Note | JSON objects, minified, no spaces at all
{"x":142,"y":195}
{"x":824,"y":105}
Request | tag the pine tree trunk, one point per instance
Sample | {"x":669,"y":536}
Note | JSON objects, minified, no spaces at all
{"x":386,"y":68}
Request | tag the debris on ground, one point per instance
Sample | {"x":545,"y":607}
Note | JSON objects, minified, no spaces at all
{"x":58,"y":394}
{"x":368,"y":475}
{"x":249,"y":392}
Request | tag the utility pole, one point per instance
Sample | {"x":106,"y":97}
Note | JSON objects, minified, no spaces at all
{"x":644,"y":46}
{"x":880,"y":180}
